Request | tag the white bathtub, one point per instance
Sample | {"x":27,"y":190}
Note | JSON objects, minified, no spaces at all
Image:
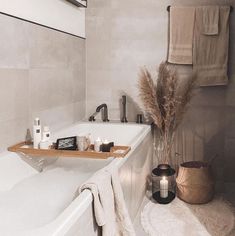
{"x":42,"y":204}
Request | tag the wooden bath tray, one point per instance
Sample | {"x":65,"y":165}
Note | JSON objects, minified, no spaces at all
{"x":30,"y":151}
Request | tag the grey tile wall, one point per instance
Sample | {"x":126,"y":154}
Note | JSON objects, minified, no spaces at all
{"x":124,"y":35}
{"x":42,"y":73}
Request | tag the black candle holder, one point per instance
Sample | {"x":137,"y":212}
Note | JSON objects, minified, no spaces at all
{"x":163,"y":184}
{"x":105,"y":147}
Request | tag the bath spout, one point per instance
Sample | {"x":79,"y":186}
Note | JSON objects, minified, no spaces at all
{"x":105,"y":114}
{"x":98,"y":109}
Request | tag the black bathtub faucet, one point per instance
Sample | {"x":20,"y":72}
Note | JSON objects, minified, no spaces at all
{"x":104,"y":114}
{"x":124,"y":119}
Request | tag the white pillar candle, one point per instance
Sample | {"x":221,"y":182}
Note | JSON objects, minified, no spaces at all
{"x":105,"y":141}
{"x":97,"y":144}
{"x":164,"y":188}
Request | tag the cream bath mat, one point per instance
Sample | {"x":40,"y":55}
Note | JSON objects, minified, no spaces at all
{"x":180,"y":219}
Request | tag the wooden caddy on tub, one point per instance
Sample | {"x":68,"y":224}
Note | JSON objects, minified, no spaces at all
{"x":27,"y":149}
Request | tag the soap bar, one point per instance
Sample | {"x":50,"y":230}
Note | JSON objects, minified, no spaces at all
{"x":119,"y":151}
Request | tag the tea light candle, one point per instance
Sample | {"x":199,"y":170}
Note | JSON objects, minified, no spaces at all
{"x":105,"y":141}
{"x":97,"y":144}
{"x":164,"y":187}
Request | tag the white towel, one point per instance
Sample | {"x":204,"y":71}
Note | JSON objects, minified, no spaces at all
{"x":181,"y":35}
{"x":210,"y":20}
{"x":109,"y":204}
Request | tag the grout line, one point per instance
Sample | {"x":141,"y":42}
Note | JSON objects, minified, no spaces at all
{"x":45,"y":26}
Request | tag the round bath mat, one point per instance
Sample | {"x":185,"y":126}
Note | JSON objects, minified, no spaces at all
{"x":180,"y":219}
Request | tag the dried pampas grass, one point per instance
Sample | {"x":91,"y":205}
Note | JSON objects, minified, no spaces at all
{"x":162,"y":102}
{"x":147,"y":92}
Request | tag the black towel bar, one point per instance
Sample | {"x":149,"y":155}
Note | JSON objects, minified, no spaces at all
{"x":168,"y":8}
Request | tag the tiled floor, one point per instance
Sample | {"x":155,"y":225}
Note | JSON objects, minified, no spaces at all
{"x":137,"y":223}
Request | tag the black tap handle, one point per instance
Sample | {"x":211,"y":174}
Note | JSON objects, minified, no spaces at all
{"x":91,"y":118}
{"x":124,"y":100}
{"x":124,"y":119}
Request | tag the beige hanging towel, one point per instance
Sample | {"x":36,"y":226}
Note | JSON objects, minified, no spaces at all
{"x":210,"y":19}
{"x":210,"y":52}
{"x":181,"y":35}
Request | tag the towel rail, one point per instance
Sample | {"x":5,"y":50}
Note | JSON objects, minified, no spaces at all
{"x":168,"y":8}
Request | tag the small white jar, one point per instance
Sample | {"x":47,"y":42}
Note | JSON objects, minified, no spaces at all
{"x":97,"y":144}
{"x":44,"y":144}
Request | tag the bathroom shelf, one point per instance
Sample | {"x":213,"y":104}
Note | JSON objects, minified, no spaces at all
{"x":116,"y":151}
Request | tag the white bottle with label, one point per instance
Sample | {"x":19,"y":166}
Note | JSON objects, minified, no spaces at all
{"x":46,"y":133}
{"x":37,"y":134}
{"x":45,"y":142}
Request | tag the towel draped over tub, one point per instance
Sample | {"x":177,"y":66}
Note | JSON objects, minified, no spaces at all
{"x":109,"y":205}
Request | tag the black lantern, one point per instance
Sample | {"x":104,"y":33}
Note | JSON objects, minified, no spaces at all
{"x":163,"y":184}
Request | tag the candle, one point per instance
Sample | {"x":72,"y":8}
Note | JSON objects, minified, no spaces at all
{"x":105,"y":141}
{"x":97,"y":144}
{"x":164,"y":187}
